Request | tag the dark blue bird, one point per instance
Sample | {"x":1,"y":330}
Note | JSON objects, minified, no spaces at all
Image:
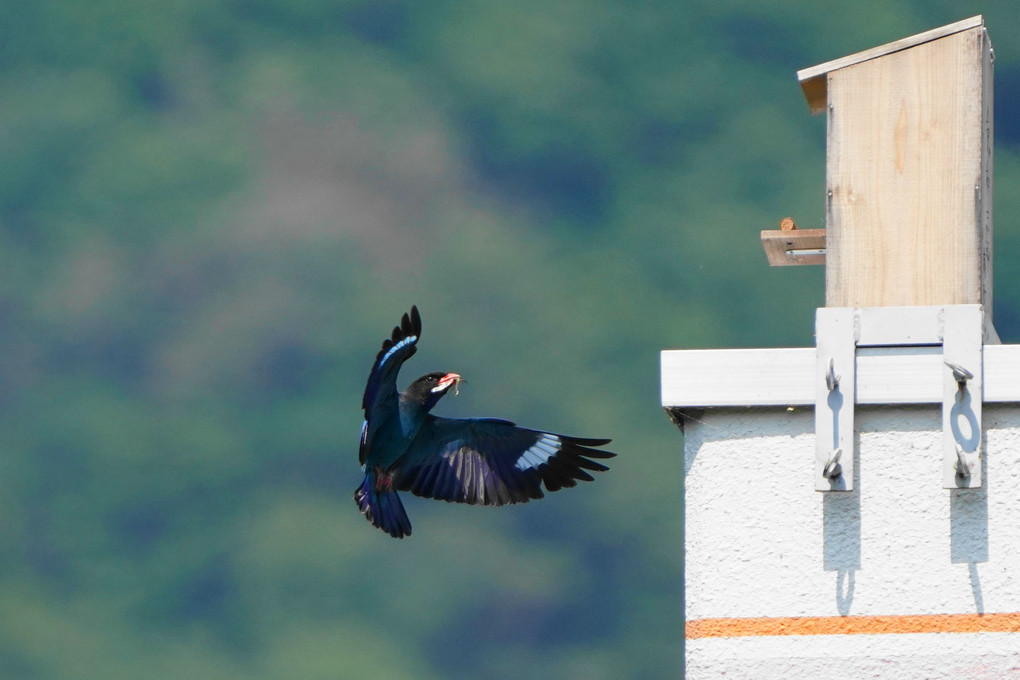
{"x":478,"y":461}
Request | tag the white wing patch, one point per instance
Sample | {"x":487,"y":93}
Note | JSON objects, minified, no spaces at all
{"x":547,"y":446}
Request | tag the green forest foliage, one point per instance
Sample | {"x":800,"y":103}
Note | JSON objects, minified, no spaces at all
{"x":211,"y":213}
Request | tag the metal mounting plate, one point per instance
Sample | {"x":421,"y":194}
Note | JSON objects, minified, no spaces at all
{"x":835,"y":386}
{"x":840,"y":330}
{"x":961,"y":399}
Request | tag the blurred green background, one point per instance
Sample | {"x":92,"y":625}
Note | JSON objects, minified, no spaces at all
{"x":213,"y":211}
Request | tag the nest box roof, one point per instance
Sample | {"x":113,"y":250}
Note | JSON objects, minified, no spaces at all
{"x":815,"y":84}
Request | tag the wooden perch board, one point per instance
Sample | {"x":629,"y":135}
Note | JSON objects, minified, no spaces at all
{"x":786,"y":248}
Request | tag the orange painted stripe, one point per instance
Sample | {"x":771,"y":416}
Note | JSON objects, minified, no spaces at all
{"x":855,"y":625}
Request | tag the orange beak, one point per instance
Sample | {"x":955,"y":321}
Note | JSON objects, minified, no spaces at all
{"x":446,"y":381}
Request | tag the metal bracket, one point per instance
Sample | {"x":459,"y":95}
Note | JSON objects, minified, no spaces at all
{"x":962,"y":394}
{"x":835,"y":366}
{"x":838,"y":333}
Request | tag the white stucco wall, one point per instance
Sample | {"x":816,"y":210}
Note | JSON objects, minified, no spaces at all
{"x":761,"y":542}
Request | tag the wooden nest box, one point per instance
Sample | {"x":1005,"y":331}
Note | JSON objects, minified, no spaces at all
{"x":908,"y":173}
{"x":905,"y":414}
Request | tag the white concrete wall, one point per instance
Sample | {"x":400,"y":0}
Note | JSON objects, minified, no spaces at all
{"x":762,"y":543}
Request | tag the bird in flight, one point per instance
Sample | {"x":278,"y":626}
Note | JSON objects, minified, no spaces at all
{"x":478,"y":461}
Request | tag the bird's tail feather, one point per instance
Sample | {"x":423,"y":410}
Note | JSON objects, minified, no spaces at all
{"x":382,"y":508}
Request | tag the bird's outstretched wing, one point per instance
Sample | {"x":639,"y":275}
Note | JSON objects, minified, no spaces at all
{"x":382,"y":381}
{"x":493,"y":462}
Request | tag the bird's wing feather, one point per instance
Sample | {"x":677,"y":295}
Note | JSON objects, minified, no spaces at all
{"x":493,"y":462}
{"x":382,"y":381}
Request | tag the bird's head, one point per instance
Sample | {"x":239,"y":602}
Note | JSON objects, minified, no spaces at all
{"x":430,"y":388}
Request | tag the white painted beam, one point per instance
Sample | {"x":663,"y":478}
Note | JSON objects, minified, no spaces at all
{"x":786,"y":376}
